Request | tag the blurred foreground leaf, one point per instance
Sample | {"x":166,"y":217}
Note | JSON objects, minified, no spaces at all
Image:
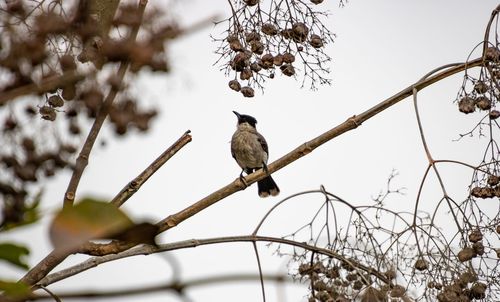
{"x":88,"y":219}
{"x":14,"y":289}
{"x":13,"y":254}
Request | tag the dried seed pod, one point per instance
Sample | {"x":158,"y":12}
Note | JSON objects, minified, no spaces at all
{"x":252,"y":36}
{"x":480,"y":87}
{"x":498,"y":229}
{"x":232,"y":37}
{"x":478,"y":248}
{"x":421,"y":264}
{"x":299,"y":32}
{"x":251,"y":2}
{"x":492,"y":54}
{"x":398,"y":291}
{"x":332,"y":273}
{"x":69,"y":92}
{"x":28,"y":144}
{"x":74,"y":128}
{"x":319,"y":285}
{"x":67,"y":62}
{"x":287,"y":69}
{"x":278,"y":60}
{"x":493,"y":180}
{"x":390,"y":274}
{"x":483,"y":103}
{"x":305,"y":269}
{"x":247,"y":92}
{"x":234,"y":85}
{"x":257,"y":47}
{"x":466,"y":105}
{"x":286,"y":33}
{"x":466,"y":254}
{"x":468,"y":277}
{"x":288,"y":57}
{"x":316,"y":41}
{"x":269,"y":29}
{"x":494,"y":114}
{"x":271,"y":76}
{"x":240,"y":61}
{"x":498,"y":253}
{"x":255,"y":67}
{"x":26,"y":172}
{"x":235,"y":45}
{"x":316,"y":1}
{"x":48,"y":113}
{"x":357,"y":285}
{"x":246,"y":74}
{"x":30,"y":110}
{"x":9,"y":124}
{"x":475,"y":236}
{"x":478,"y":290}
{"x":351,"y":277}
{"x":56,"y":101}
{"x":267,"y":61}
{"x":300,"y":48}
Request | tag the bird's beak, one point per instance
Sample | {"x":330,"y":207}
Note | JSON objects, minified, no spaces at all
{"x":237,"y":114}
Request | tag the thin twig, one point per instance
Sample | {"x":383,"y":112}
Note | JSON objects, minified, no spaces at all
{"x":136,"y":184}
{"x":176,"y":286}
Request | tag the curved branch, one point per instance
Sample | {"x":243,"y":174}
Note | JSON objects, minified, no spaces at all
{"x":148,"y":249}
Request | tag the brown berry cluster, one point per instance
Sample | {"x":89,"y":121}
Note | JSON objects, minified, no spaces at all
{"x":341,"y":281}
{"x":474,"y":249}
{"x":480,"y":93}
{"x":62,"y":60}
{"x":489,"y":190}
{"x":463,"y":288}
{"x":256,"y":47}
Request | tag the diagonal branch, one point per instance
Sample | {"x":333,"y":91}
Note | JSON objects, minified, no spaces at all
{"x":304,"y":149}
{"x":136,"y":184}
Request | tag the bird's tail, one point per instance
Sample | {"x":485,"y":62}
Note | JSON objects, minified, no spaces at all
{"x":267,"y":187}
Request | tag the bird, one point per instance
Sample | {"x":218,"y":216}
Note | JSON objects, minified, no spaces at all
{"x":250,"y":150}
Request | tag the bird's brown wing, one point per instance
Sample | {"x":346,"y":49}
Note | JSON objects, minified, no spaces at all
{"x":263,"y":143}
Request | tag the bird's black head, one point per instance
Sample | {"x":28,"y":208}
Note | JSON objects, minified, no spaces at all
{"x":243,"y":118}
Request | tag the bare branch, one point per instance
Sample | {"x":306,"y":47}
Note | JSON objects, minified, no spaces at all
{"x":136,"y":184}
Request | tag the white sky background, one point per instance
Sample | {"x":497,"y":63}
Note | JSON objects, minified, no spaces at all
{"x":381,"y":48}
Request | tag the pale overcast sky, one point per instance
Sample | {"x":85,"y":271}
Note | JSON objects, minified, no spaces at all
{"x":381,"y":47}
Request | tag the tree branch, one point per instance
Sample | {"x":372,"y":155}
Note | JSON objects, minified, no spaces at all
{"x":148,"y":249}
{"x":304,"y":149}
{"x":136,"y":184}
{"x":48,"y":84}
{"x":176,"y":286}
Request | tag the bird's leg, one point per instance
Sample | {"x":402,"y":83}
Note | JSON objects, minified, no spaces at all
{"x":264,"y":166}
{"x":242,"y":179}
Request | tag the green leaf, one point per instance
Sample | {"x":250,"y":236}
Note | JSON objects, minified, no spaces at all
{"x":13,"y":254}
{"x":88,"y":219}
{"x":14,"y":289}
